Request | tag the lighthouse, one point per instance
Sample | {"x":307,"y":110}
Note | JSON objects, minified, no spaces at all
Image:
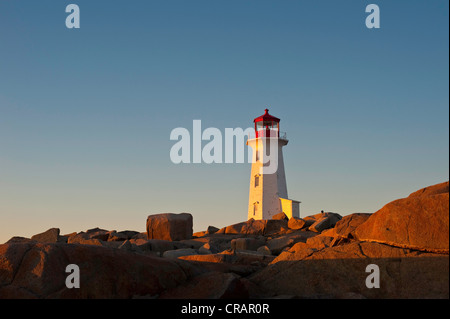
{"x":268,"y":194}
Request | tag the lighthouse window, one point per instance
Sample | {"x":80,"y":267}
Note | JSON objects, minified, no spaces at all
{"x":256,"y":181}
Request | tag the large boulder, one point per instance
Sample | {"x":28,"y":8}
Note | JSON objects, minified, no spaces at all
{"x":324,"y":221}
{"x":280,"y":216}
{"x":256,"y":227}
{"x":296,"y":223}
{"x":346,"y":227}
{"x":85,"y":238}
{"x":420,"y":221}
{"x":97,"y":233}
{"x":250,"y":227}
{"x":169,"y":226}
{"x":49,"y":236}
{"x":211,"y":230}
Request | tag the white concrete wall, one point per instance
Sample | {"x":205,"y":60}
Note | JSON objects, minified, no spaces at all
{"x":271,"y":186}
{"x":295,"y":209}
{"x":255,"y":194}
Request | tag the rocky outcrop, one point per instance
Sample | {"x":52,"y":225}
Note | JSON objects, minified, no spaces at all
{"x":318,"y":256}
{"x":37,"y":270}
{"x":420,"y":221}
{"x":340,"y":272}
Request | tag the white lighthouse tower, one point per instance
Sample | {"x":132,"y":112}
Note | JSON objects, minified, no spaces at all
{"x":268,"y":194}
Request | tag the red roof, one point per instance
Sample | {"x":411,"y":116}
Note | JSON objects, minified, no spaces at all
{"x":266,"y":117}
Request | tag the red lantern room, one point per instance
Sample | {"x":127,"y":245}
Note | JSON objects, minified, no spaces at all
{"x":267,"y":125}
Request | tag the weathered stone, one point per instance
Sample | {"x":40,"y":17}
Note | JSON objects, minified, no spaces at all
{"x":312,"y":218}
{"x":189,"y":243}
{"x":437,"y":189}
{"x":95,"y":230}
{"x":70,"y":235}
{"x":277,"y":227}
{"x":277,"y":245}
{"x":140,"y":236}
{"x":152,"y":246}
{"x":73,"y":239}
{"x":246,"y":243}
{"x":116,"y":236}
{"x":200,"y":234}
{"x":338,"y":271}
{"x":110,"y":244}
{"x":97,"y":233}
{"x":296,"y":223}
{"x":420,"y":221}
{"x":209,"y":258}
{"x":217,"y":242}
{"x":264,"y":250}
{"x":298,"y":251}
{"x":18,"y":239}
{"x":248,"y":257}
{"x":49,"y":236}
{"x":128,"y":234}
{"x":324,"y":263}
{"x":36,"y":270}
{"x":250,"y":227}
{"x":156,"y":245}
{"x":126,"y":245}
{"x":169,"y":226}
{"x":319,"y":242}
{"x":346,"y":226}
{"x":256,"y":227}
{"x":83,"y":239}
{"x":327,"y":220}
{"x":228,"y":258}
{"x":179,"y":252}
{"x":212,"y":285}
{"x":141,"y":245}
{"x":212,"y":230}
{"x":280,"y":216}
{"x":205,"y":249}
{"x":220,"y":242}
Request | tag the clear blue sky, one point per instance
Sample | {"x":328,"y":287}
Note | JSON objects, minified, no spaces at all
{"x":86,"y":114}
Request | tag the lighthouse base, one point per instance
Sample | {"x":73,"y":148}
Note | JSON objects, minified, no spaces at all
{"x":278,"y":205}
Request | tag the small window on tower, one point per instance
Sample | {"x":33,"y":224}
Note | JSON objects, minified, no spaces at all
{"x":256,"y":181}
{"x":257,"y":156}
